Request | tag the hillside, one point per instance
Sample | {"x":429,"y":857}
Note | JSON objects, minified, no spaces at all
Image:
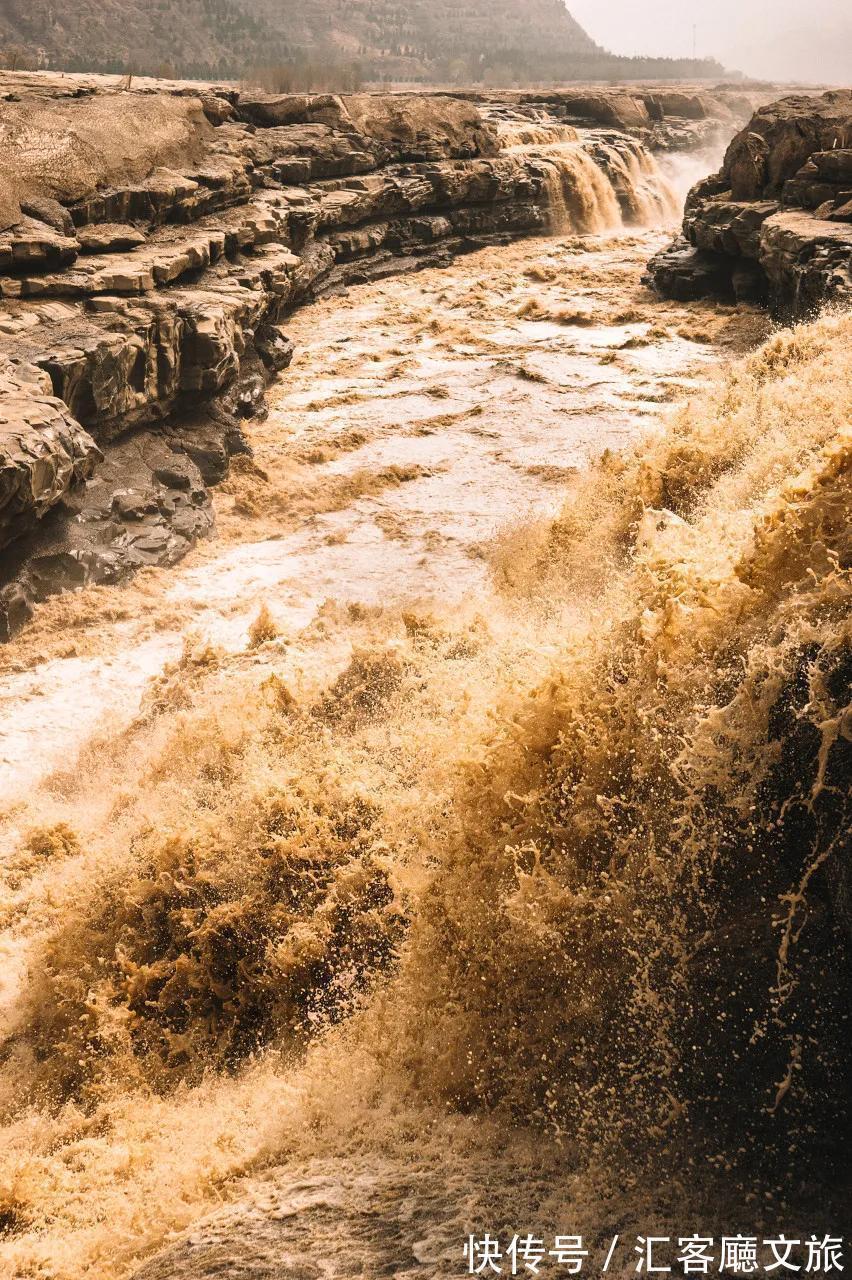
{"x":318,"y":43}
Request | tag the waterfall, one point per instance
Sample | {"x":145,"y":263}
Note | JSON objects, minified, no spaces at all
{"x":595,"y":181}
{"x":580,"y":194}
{"x":645,"y":195}
{"x":535,"y":134}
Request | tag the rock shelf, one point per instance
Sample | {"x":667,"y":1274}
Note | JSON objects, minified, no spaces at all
{"x":775,"y":224}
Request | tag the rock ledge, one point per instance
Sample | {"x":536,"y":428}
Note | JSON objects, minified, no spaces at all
{"x":775,"y":224}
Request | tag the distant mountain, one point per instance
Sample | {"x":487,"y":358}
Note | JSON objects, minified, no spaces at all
{"x":318,"y":43}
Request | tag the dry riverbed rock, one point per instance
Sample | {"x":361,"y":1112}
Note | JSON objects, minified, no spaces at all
{"x":776,"y":221}
{"x":44,"y":453}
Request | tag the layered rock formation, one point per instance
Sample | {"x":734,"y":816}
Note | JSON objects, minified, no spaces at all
{"x":152,"y":242}
{"x":776,"y":222}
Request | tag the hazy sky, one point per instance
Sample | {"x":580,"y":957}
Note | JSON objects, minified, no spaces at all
{"x":797,"y":39}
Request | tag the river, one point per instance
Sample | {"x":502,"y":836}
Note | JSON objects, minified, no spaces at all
{"x":231,"y":790}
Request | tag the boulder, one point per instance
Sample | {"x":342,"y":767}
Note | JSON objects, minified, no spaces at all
{"x":776,"y":219}
{"x":843,"y":212}
{"x":404,"y":127}
{"x":15,"y":610}
{"x":685,"y":273}
{"x":685,"y":106}
{"x":834,"y":166}
{"x":611,"y":109}
{"x":268,"y":110}
{"x":44,"y":452}
{"x":50,"y":212}
{"x":729,"y":226}
{"x":746,"y":166}
{"x":217,"y":109}
{"x":66,"y":150}
{"x":417,"y":127}
{"x":31,"y":244}
{"x":10,"y":204}
{"x":134,"y":504}
{"x":781,"y":136}
{"x":274,"y":348}
{"x":807,"y":261}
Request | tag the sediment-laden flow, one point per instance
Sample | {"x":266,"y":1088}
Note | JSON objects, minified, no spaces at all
{"x":460,"y":842}
{"x":416,"y":915}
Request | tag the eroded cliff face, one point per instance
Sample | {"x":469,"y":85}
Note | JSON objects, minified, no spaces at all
{"x":775,"y":223}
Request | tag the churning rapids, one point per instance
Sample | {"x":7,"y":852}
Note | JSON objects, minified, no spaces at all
{"x":452,"y":844}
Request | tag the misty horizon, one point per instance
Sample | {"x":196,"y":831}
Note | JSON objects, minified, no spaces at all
{"x":772,"y":39}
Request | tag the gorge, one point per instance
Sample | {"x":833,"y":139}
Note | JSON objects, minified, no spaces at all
{"x":133,"y":303}
{"x":425,"y":739}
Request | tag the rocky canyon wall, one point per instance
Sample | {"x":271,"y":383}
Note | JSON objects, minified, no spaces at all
{"x":775,"y":224}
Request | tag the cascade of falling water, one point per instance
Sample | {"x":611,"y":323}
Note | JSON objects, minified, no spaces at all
{"x":646,"y":196}
{"x":535,"y":135}
{"x":580,"y":195}
{"x":594,"y":183}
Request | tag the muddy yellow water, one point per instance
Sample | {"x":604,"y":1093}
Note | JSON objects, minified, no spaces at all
{"x":412,"y":860}
{"x":420,"y":417}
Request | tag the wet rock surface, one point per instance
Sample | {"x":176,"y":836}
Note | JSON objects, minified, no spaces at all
{"x":776,"y":222}
{"x":44,"y":453}
{"x":148,"y":504}
{"x":147,"y":270}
